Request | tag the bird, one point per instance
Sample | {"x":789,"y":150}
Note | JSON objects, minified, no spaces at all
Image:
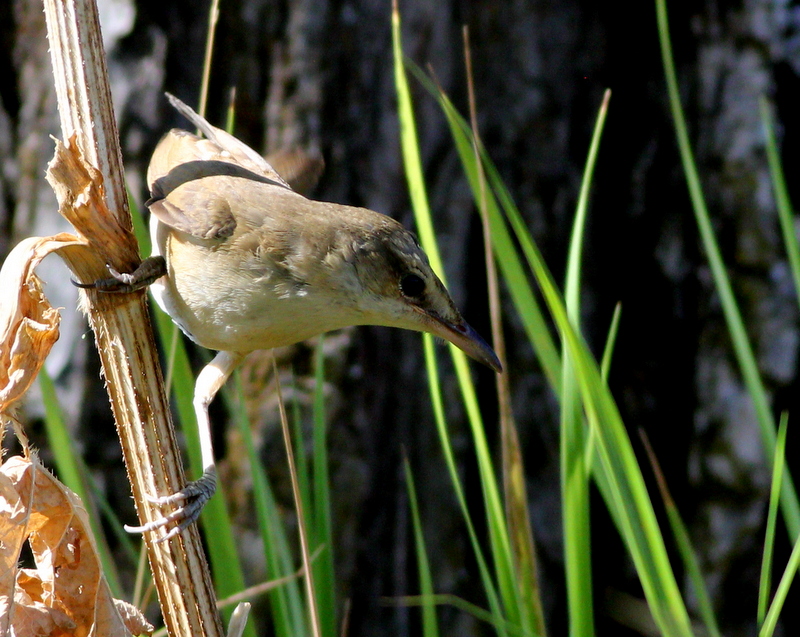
{"x":242,"y":261}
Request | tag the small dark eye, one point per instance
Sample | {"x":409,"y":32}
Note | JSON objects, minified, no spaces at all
{"x":412,"y":286}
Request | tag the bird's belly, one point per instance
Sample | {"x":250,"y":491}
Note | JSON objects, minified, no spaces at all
{"x":227,"y":305}
{"x":247,"y":320}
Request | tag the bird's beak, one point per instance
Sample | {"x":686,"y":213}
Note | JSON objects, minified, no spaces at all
{"x":464,"y":338}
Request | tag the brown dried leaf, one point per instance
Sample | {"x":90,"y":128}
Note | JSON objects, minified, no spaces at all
{"x":66,"y":593}
{"x":81,"y":197}
{"x":135,"y":622}
{"x":13,"y":515}
{"x":32,"y":616}
{"x":28,"y":323}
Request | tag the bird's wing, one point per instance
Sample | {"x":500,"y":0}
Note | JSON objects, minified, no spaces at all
{"x":190,"y":179}
{"x":229,"y":148}
{"x":196,"y":209}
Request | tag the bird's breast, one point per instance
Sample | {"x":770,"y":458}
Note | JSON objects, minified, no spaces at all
{"x":241,"y":299}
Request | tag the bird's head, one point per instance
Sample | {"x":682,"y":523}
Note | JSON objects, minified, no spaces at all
{"x":398,"y":288}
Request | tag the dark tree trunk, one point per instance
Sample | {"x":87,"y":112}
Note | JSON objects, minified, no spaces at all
{"x":318,"y":74}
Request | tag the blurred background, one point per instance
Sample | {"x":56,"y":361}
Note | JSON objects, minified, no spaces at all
{"x":317,"y":74}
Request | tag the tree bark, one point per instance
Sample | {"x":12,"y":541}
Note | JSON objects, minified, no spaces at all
{"x":318,"y":74}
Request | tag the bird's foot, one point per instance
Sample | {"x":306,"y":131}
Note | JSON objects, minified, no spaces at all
{"x":149,"y":270}
{"x":191,"y":500}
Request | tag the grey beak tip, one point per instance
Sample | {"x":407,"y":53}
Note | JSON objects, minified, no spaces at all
{"x":486,"y":354}
{"x":496,"y":365}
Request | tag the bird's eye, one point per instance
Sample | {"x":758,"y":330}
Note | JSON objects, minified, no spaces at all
{"x":412,"y":286}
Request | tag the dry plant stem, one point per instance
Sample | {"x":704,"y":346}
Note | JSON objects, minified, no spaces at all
{"x":259,"y":589}
{"x":311,"y":599}
{"x":213,"y":18}
{"x":87,"y":176}
{"x":515,"y":492}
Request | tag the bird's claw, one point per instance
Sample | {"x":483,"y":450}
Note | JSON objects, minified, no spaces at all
{"x":191,"y":500}
{"x":148,"y":271}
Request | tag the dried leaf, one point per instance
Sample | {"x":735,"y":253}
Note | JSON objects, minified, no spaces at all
{"x":135,"y":622}
{"x":28,"y":323}
{"x":13,"y":515}
{"x":32,"y":616}
{"x":66,"y":593}
{"x":80,"y":192}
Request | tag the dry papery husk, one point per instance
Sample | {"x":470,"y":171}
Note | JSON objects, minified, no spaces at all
{"x":66,"y":592}
{"x":28,"y":323}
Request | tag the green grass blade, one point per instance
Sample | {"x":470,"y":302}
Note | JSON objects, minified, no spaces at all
{"x":304,"y":475}
{"x":72,"y":473}
{"x":286,"y":601}
{"x":230,"y":113}
{"x":495,"y":516}
{"x":782,"y":201}
{"x":129,"y":545}
{"x":498,"y":619}
{"x":624,"y":488}
{"x":786,"y":217}
{"x":505,"y":253}
{"x":741,"y":344}
{"x":514,"y":489}
{"x":574,"y":260}
{"x":625,"y":492}
{"x":771,"y":621}
{"x":575,"y":505}
{"x":685,"y":548}
{"x":68,"y":465}
{"x":462,"y":136}
{"x":495,"y":513}
{"x":574,"y":468}
{"x":430,"y":627}
{"x":416,"y":183}
{"x":605,"y":367}
{"x":463,"y":605}
{"x":139,"y":227}
{"x":302,"y":526}
{"x":618,"y":473}
{"x":765,"y":580}
{"x":320,"y":523}
{"x":518,"y":285}
{"x":611,"y":339}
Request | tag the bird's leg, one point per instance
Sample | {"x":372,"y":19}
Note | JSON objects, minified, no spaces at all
{"x":149,"y":270}
{"x":193,"y":497}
